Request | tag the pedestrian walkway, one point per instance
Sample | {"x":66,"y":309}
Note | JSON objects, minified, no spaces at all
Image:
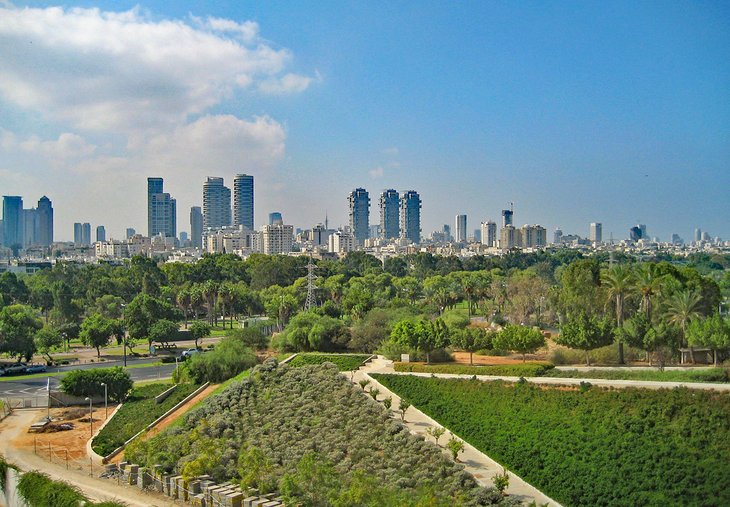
{"x":478,"y":464}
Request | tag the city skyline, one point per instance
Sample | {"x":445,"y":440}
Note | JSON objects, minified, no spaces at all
{"x":611,"y":118}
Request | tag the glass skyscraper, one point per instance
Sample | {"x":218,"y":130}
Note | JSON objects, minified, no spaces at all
{"x":216,"y":204}
{"x":243,"y":201}
{"x":410,"y":216}
{"x":13,"y":221}
{"x":359,"y":201}
{"x":389,"y":218}
{"x":161,"y":210}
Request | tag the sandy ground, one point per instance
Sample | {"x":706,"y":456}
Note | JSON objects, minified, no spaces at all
{"x":17,"y":446}
{"x":463,"y":357}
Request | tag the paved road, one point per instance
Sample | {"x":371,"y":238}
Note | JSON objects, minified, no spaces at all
{"x":36,"y":386}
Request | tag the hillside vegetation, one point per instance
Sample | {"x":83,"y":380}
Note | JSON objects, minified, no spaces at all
{"x":311,"y":435}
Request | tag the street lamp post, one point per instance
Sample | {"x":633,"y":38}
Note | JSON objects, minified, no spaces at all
{"x":106,"y":407}
{"x":91,"y":418}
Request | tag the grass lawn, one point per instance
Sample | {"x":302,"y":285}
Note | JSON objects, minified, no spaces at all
{"x":718,"y":375}
{"x":138,"y":411}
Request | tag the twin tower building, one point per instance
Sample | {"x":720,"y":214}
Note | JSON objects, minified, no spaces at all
{"x":400,"y":215}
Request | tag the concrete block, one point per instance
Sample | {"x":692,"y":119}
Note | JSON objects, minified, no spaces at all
{"x":173,"y":486}
{"x":234,"y":499}
{"x":194,"y":487}
{"x":144,"y":479}
{"x":198,"y":500}
{"x":166,"y":484}
{"x":249,"y":500}
{"x":123,"y":465}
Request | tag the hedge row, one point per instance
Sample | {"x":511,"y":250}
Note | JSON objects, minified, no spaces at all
{"x":706,"y":375}
{"x":505,"y":370}
{"x":344,"y":362}
{"x":90,"y":382}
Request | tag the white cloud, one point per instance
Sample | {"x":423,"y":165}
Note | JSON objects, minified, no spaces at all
{"x":124,"y":71}
{"x":290,"y":83}
{"x":377,"y":172}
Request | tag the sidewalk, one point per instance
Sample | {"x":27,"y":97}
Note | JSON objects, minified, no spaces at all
{"x":481,"y":466}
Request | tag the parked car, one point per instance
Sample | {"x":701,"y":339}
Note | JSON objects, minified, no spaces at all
{"x":189,"y":352}
{"x":36,"y":368}
{"x":16,"y":369}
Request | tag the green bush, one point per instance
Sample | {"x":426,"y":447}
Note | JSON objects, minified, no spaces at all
{"x":344,"y":362}
{"x":706,"y":375}
{"x":88,"y":383}
{"x":39,"y":490}
{"x":505,"y":370}
{"x":252,"y":337}
{"x":137,"y":412}
{"x":598,"y":447}
{"x":229,"y":358}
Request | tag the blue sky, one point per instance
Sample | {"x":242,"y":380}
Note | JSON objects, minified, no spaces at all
{"x":617,"y":112}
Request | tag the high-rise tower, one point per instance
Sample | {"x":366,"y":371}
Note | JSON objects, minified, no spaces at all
{"x":161,"y":210}
{"x":596,"y":232}
{"x":13,"y":221}
{"x":243,"y":201}
{"x":389,"y":220}
{"x":507,"y":215}
{"x":460,"y":229}
{"x":196,"y":227}
{"x":410,"y":216}
{"x":359,"y":214}
{"x":45,"y":222}
{"x":216,"y":204}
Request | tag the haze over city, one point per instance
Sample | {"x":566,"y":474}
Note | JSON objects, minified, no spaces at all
{"x":576,"y":112}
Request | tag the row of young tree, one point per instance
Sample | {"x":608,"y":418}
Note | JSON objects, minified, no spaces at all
{"x":657,"y":306}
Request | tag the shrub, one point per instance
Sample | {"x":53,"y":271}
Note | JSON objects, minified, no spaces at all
{"x":227,"y":360}
{"x":252,"y":337}
{"x":602,"y":442}
{"x":344,"y":362}
{"x":88,"y":383}
{"x":536,"y":369}
{"x":38,"y":489}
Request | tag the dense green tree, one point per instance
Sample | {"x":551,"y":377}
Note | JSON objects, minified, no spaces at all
{"x":580,"y":288}
{"x":96,"y":331}
{"x":46,"y":339}
{"x":163,"y":331}
{"x":199,"y":330}
{"x":586,"y":332}
{"x":18,"y":326}
{"x":472,"y":339}
{"x":143,"y":312}
{"x":521,"y":339}
{"x":712,"y":332}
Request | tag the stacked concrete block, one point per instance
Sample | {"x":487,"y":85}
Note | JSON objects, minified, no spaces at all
{"x":133,"y":473}
{"x":144,"y":480}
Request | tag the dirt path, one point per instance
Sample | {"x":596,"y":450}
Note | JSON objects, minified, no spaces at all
{"x":14,"y":446}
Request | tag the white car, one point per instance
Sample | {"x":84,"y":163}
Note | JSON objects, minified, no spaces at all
{"x":189,"y":352}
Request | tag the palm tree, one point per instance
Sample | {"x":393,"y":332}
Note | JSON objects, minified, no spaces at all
{"x":183,"y":302}
{"x":619,"y":280}
{"x":682,"y":307}
{"x":649,"y":285}
{"x":227,"y":294}
{"x":210,"y":291}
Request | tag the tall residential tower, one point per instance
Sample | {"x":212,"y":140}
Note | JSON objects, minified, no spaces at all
{"x":216,"y":204}
{"x":161,"y":210}
{"x":410,"y":216}
{"x":389,"y":219}
{"x":243,"y":201}
{"x":359,"y":201}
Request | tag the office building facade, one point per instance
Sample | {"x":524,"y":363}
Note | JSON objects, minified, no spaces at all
{"x":161,"y":210}
{"x":507,"y":217}
{"x":13,"y":221}
{"x":460,"y":228}
{"x":277,"y":239}
{"x":410,"y":216}
{"x":489,"y":233}
{"x":100,"y":233}
{"x":243,"y":201}
{"x":389,"y":214}
{"x":596,"y":232}
{"x":196,"y":227}
{"x":216,"y":204}
{"x":275,"y":218}
{"x":44,"y":237}
{"x":359,"y":201}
